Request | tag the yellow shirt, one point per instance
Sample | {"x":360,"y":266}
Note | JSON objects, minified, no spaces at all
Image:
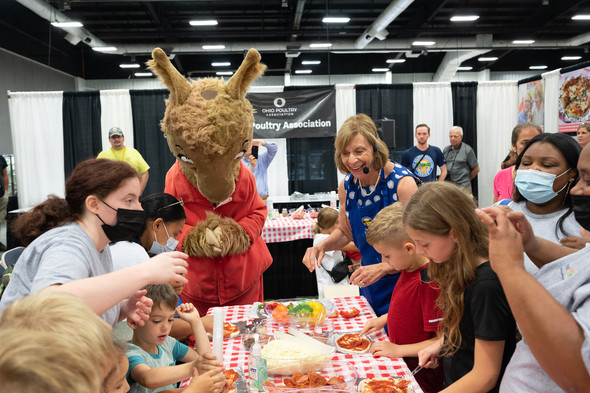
{"x":127,"y":154}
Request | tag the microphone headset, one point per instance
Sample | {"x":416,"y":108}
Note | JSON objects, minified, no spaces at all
{"x":366,"y":169}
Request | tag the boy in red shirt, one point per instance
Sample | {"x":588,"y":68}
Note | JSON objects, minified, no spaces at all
{"x":412,"y":320}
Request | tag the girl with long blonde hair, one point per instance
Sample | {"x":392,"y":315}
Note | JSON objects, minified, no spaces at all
{"x":479,"y":329}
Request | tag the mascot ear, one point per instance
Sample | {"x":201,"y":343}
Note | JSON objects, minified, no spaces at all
{"x":250,"y":69}
{"x":179,"y":87}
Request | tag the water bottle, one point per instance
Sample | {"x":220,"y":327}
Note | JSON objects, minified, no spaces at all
{"x":333,"y":199}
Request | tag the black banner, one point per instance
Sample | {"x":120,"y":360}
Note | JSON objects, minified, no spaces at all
{"x":294,"y":114}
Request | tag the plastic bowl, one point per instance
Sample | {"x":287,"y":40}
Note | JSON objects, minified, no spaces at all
{"x":288,"y":363}
{"x":333,"y":368}
{"x":302,"y":320}
{"x":320,"y":332}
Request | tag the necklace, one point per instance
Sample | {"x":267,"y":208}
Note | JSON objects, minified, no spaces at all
{"x":363,"y":192}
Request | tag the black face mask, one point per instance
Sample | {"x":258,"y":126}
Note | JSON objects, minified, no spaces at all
{"x":582,"y":210}
{"x":129,"y":224}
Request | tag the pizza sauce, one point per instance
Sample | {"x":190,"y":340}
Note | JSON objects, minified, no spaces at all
{"x":353,"y":342}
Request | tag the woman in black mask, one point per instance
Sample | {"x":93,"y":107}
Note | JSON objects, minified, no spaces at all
{"x":552,"y":308}
{"x":67,"y":244}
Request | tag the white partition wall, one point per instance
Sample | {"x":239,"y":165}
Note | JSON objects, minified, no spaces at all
{"x":497,"y":108}
{"x":116,"y":112}
{"x":37,"y":137}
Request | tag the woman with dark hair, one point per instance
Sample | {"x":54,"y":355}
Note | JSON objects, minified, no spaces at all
{"x":164,"y":220}
{"x":68,"y":244}
{"x":371,"y":183}
{"x":546,"y":170}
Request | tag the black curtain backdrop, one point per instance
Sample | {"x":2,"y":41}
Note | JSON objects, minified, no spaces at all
{"x":148,"y":110}
{"x":465,"y":116}
{"x":310,"y":165}
{"x":390,"y":102}
{"x":81,"y":127}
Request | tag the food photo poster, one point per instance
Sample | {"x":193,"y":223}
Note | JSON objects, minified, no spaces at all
{"x":574,"y":99}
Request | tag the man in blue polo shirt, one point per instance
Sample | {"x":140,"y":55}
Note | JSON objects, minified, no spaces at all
{"x":423,"y":159}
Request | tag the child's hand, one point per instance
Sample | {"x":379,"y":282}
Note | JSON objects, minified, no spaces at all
{"x":385,"y":348}
{"x":136,"y":309}
{"x":212,"y":381}
{"x":188,"y":312}
{"x":373,"y":325}
{"x":207,"y":362}
{"x":428,"y":357}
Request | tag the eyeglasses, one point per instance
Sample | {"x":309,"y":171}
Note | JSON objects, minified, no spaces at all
{"x":180,"y":202}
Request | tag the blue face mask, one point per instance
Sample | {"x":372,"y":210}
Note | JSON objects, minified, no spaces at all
{"x":170,"y":245}
{"x":537,"y":186}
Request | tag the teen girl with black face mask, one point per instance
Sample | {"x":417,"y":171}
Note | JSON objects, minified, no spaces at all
{"x":67,"y":244}
{"x":552,"y":308}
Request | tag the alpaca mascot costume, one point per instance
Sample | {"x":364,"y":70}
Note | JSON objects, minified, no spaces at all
{"x":208,"y":125}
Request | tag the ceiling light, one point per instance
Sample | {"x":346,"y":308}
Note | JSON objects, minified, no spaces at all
{"x":423,"y":43}
{"x":380,"y":69}
{"x":537,"y":67}
{"x":67,"y":24}
{"x":210,"y":22}
{"x":566,"y":58}
{"x":581,"y":17}
{"x":487,"y":59}
{"x":222,"y":73}
{"x":310,"y":62}
{"x":336,"y":19}
{"x":320,"y":45}
{"x":104,"y":48}
{"x":213,"y":47}
{"x":523,"y":42}
{"x":395,"y":61}
{"x":129,"y":65}
{"x":464,"y":18}
{"x":143,"y":74}
{"x":303,"y":71}
{"x":220,"y":64}
{"x":464,"y":68}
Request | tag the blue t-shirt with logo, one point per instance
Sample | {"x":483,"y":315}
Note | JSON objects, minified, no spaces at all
{"x":423,"y":162}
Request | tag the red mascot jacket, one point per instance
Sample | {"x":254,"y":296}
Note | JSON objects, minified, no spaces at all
{"x":221,"y":279}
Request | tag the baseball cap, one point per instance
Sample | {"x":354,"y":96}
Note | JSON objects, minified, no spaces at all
{"x":115,"y":131}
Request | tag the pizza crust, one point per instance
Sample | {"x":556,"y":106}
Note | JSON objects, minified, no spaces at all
{"x":364,"y":388}
{"x":225,"y":336}
{"x":350,"y":351}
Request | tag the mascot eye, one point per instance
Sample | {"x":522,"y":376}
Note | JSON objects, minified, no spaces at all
{"x":239,"y":155}
{"x":185,"y":159}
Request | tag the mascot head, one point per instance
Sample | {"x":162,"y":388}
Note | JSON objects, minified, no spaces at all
{"x":208,"y":123}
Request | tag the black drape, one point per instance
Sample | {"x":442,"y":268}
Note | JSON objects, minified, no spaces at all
{"x":81,"y":127}
{"x":148,"y":110}
{"x":391,"y":102}
{"x":310,"y":165}
{"x":465,"y":116}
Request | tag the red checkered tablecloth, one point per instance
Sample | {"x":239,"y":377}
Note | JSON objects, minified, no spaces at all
{"x":286,"y":229}
{"x":366,"y":365}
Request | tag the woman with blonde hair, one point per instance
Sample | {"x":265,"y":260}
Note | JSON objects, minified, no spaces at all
{"x":371,"y":183}
{"x":479,"y":329}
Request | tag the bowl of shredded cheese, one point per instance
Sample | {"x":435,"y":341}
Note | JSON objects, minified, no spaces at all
{"x":285,"y":357}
